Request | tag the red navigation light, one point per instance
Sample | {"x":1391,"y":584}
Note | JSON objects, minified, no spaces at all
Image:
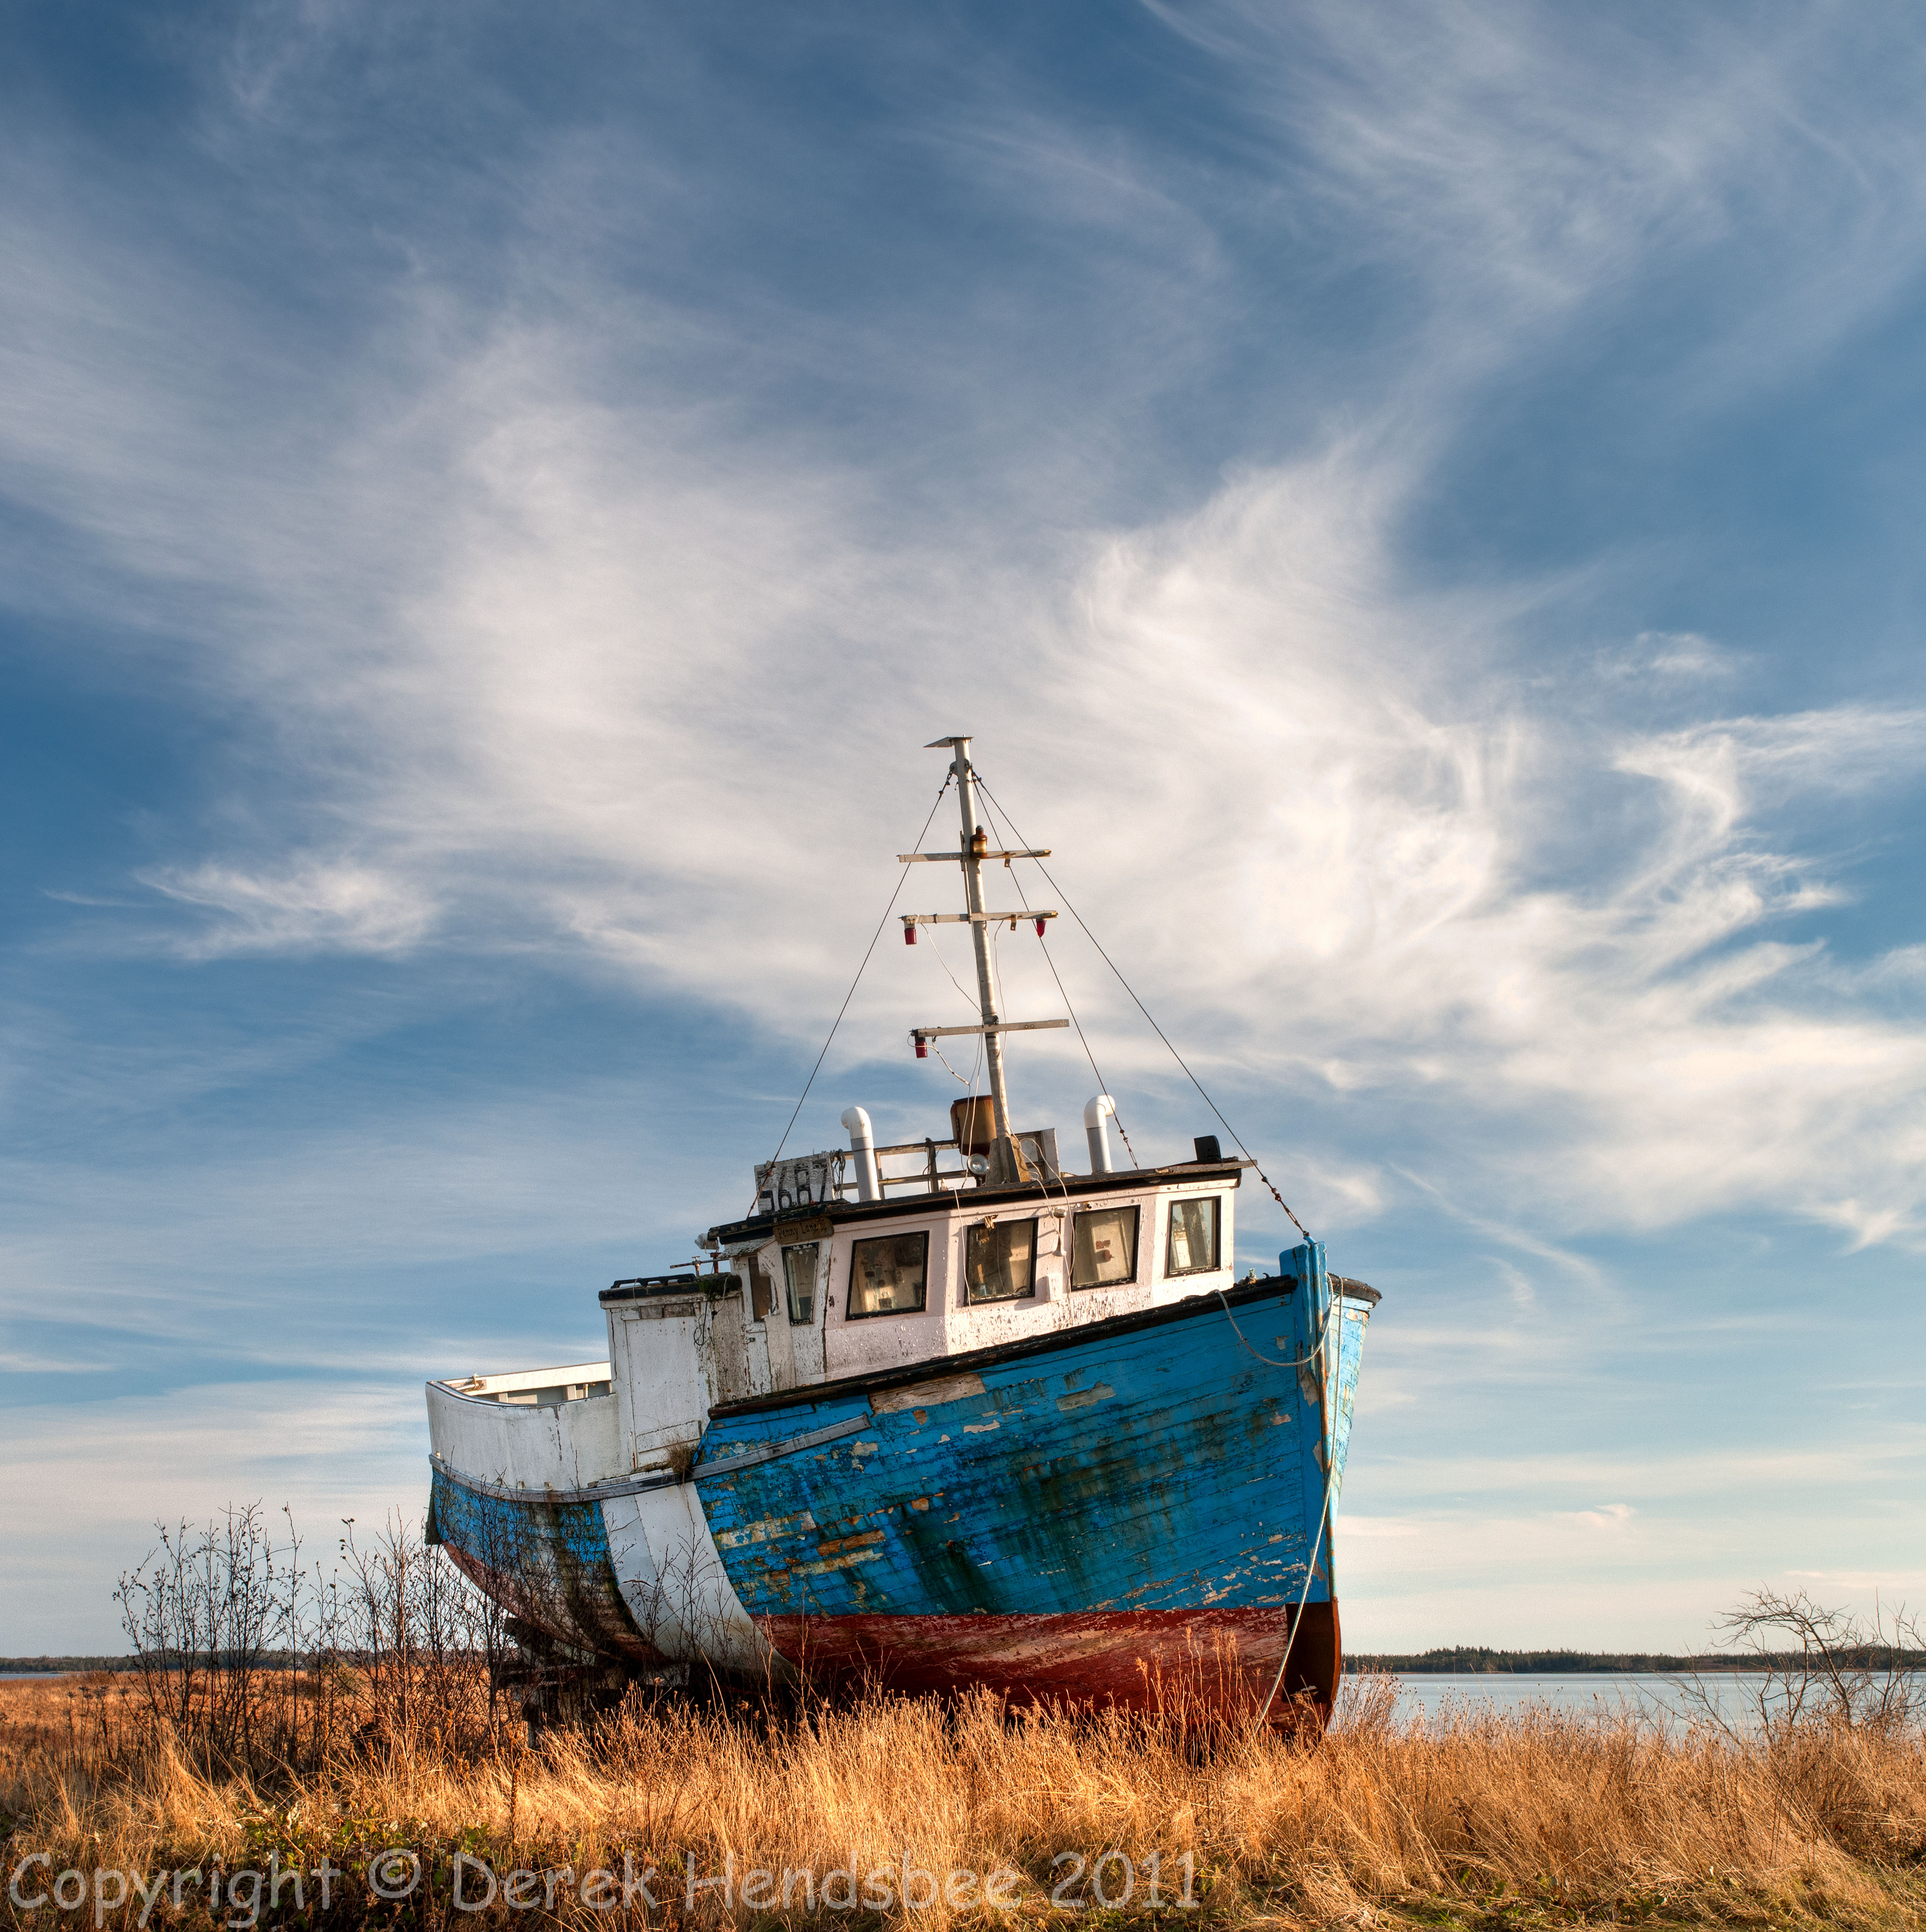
{"x":908,"y":932}
{"x":1040,"y":929}
{"x":922,"y":1048}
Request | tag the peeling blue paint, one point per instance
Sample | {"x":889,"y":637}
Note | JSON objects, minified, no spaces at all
{"x":1170,"y":1467}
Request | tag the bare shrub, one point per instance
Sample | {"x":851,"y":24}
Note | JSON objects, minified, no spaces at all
{"x":1817,"y":1665}
{"x":206,"y":1612}
{"x":246,"y":1658}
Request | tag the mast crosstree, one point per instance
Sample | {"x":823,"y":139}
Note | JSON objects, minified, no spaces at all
{"x":1007,"y":1164}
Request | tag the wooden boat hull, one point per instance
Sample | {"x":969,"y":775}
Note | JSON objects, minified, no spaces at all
{"x":1135,"y":1511}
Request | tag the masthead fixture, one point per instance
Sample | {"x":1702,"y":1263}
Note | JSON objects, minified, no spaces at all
{"x":1008,"y":1164}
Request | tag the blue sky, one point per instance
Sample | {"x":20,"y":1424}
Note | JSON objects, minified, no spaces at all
{"x":1418,"y":506}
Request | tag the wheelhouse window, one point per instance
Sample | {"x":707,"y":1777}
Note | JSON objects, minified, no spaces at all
{"x":1192,"y":1245}
{"x":799,"y":1278}
{"x":1000,"y":1261}
{"x":889,"y":1276}
{"x":1103,"y":1247}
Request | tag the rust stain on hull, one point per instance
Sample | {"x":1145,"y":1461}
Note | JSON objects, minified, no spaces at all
{"x":1140,"y":1661}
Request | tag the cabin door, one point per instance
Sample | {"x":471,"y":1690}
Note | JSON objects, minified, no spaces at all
{"x":805,"y":1285}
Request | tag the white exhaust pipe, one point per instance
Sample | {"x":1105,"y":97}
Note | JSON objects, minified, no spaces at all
{"x":862,"y":1144}
{"x":1096,"y":1113}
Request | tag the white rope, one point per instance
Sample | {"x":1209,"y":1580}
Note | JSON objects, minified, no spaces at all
{"x":1288,"y":1361}
{"x":1323,"y":1516}
{"x":1296,"y":1621}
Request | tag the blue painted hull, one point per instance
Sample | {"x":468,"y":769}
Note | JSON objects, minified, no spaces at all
{"x":549,"y":1563}
{"x":1071,"y":1516}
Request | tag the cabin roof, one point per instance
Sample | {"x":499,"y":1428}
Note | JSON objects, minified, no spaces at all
{"x":1068,"y":1190}
{"x":684,"y":1281}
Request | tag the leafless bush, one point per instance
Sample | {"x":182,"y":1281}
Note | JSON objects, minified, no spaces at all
{"x":1367,"y":1705}
{"x":1835,"y":1716}
{"x":1817,"y":1667}
{"x":422,"y":1636}
{"x":248,"y":1657}
{"x":209,"y":1612}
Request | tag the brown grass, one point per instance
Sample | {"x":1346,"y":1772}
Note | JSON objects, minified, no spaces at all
{"x":1543,"y":1819}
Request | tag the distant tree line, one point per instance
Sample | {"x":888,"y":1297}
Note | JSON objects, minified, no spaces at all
{"x":1468,"y":1660}
{"x":57,"y":1666}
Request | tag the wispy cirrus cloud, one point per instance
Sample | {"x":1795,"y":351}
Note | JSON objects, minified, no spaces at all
{"x":600,"y":611}
{"x":314,"y":906}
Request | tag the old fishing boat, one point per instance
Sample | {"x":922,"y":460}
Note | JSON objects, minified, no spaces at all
{"x":940,"y":1414}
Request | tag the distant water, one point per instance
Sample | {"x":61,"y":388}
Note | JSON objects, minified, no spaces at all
{"x":1667,"y":1699}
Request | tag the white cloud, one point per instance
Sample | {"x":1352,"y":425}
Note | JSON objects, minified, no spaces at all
{"x":558,"y":660}
{"x":1610,"y":1516}
{"x":312,"y":907}
{"x":1680,"y":656}
{"x":659,"y":707}
{"x":1684,"y":654}
{"x":1384,"y":901}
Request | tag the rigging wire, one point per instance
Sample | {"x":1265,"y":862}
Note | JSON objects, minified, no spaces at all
{"x":902,"y":879}
{"x":1103,"y":1086}
{"x":970,"y":997}
{"x":1154,"y":1027}
{"x":995,"y":931}
{"x":1008,"y":836}
{"x":968,"y":1085}
{"x":975,"y":1067}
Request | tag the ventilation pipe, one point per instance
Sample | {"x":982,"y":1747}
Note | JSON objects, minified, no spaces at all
{"x":1096,"y":1113}
{"x":862,"y":1144}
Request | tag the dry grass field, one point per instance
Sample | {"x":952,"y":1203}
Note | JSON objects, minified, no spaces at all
{"x":1486,"y":1823}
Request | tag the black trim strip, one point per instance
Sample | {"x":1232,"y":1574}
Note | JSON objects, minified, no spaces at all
{"x":1068,"y":1189}
{"x":602,"y":1493}
{"x":1191,"y":1308}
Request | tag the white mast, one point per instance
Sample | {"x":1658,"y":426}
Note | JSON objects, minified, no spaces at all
{"x":1008,"y":1165}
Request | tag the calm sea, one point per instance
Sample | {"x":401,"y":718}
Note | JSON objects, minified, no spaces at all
{"x":1671,"y":1700}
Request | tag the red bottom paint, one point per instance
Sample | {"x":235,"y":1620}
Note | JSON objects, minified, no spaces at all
{"x":1221,"y":1661}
